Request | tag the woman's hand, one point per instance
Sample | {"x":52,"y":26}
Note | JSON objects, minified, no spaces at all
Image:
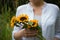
{"x":30,"y":33}
{"x":24,"y":33}
{"x":56,"y":38}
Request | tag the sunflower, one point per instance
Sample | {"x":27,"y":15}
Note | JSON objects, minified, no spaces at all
{"x":12,"y":24}
{"x":13,"y":21}
{"x":35,"y":23}
{"x":29,"y":27}
{"x":22,"y":18}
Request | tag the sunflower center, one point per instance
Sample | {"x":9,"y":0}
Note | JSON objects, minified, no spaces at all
{"x":13,"y":20}
{"x":23,"y":18}
{"x":33,"y":23}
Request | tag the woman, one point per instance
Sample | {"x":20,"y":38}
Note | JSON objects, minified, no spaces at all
{"x":45,"y":13}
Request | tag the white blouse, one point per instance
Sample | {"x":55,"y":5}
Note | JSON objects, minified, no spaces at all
{"x":48,"y":18}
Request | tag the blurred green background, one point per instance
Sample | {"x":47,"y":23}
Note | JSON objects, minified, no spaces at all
{"x":7,"y":10}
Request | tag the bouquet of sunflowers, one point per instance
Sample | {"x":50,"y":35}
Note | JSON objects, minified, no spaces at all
{"x":28,"y":24}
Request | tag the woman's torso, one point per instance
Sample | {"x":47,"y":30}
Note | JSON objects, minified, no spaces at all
{"x":45,"y":20}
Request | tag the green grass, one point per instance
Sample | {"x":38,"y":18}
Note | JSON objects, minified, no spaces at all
{"x":5,"y":29}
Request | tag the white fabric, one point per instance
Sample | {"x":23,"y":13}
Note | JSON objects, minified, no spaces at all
{"x":48,"y":18}
{"x":57,"y":35}
{"x":57,"y":26}
{"x":38,"y":17}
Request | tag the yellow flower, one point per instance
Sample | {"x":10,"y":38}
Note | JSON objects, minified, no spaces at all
{"x":13,"y":21}
{"x":12,"y":24}
{"x":35,"y":23}
{"x":29,"y":27}
{"x":22,"y":18}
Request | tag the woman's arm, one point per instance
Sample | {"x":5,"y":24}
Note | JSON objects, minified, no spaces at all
{"x":57,"y":28}
{"x":51,"y":21}
{"x":16,"y":34}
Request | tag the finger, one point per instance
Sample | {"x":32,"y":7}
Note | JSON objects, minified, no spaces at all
{"x":32,"y":35}
{"x":29,"y":35}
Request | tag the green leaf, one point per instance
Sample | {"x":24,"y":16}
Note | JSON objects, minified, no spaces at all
{"x":30,"y":23}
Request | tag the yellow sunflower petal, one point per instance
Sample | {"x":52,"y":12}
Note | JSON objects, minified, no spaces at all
{"x":13,"y":19}
{"x":12,"y":25}
{"x":22,"y":17}
{"x":35,"y":22}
